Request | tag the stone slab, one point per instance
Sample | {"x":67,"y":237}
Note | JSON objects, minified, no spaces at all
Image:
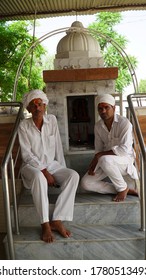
{"x":87,"y":243}
{"x":90,"y":208}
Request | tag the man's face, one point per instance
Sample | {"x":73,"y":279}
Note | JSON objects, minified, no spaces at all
{"x":106,"y":111}
{"x":36,"y":107}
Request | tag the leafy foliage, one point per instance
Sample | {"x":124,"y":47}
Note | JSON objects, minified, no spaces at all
{"x":142,"y":86}
{"x":104,"y":24}
{"x":15,"y":40}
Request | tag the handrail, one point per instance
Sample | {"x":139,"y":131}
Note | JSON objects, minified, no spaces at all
{"x":142,"y":159}
{"x":138,"y":130}
{"x":5,"y":184}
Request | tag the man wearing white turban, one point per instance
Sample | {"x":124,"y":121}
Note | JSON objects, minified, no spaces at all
{"x":113,"y":164}
{"x":44,"y":166}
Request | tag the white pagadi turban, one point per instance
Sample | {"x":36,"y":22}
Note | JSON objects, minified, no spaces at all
{"x":33,"y":94}
{"x":106,"y":98}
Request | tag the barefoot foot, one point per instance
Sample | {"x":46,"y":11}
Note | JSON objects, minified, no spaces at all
{"x":121,"y":196}
{"x":47,"y":235}
{"x":59,"y":227}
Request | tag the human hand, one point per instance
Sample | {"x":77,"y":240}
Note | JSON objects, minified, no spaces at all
{"x":50,"y":178}
{"x":92,"y":166}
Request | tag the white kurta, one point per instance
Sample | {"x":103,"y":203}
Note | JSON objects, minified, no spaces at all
{"x":40,"y":150}
{"x":118,"y":168}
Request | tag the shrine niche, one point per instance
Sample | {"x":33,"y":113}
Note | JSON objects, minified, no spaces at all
{"x":81,"y":122}
{"x":80,"y":110}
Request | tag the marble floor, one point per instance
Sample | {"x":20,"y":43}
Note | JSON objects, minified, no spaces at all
{"x":87,"y":242}
{"x":101,"y":229}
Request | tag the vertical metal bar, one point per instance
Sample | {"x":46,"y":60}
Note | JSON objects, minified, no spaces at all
{"x":5,"y":181}
{"x":145,"y":201}
{"x":8,"y":214}
{"x":142,"y":161}
{"x":142,"y":194}
{"x":14,"y":195}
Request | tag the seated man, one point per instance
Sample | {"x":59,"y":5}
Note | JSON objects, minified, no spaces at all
{"x":44,"y":165}
{"x":114,"y":154}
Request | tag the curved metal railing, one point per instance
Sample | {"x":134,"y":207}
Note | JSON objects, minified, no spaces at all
{"x":77,"y":29}
{"x":8,"y":159}
{"x":138,"y":99}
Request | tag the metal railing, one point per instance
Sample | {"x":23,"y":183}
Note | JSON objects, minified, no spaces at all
{"x":137,"y":99}
{"x":8,"y":160}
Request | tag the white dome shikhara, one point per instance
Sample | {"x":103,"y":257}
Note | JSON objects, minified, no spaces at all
{"x":78,"y":43}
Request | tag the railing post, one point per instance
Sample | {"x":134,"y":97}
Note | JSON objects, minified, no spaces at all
{"x":5,"y":181}
{"x":14,"y":195}
{"x":145,"y":201}
{"x":142,"y":193}
{"x":8,"y":213}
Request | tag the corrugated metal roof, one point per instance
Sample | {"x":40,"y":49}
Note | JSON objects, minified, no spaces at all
{"x":26,"y":9}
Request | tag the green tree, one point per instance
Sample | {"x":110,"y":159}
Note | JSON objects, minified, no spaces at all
{"x":15,"y":40}
{"x":142,"y":86}
{"x":104,"y":24}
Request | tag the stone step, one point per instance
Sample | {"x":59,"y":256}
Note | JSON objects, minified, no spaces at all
{"x":114,"y":242}
{"x":90,"y":209}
